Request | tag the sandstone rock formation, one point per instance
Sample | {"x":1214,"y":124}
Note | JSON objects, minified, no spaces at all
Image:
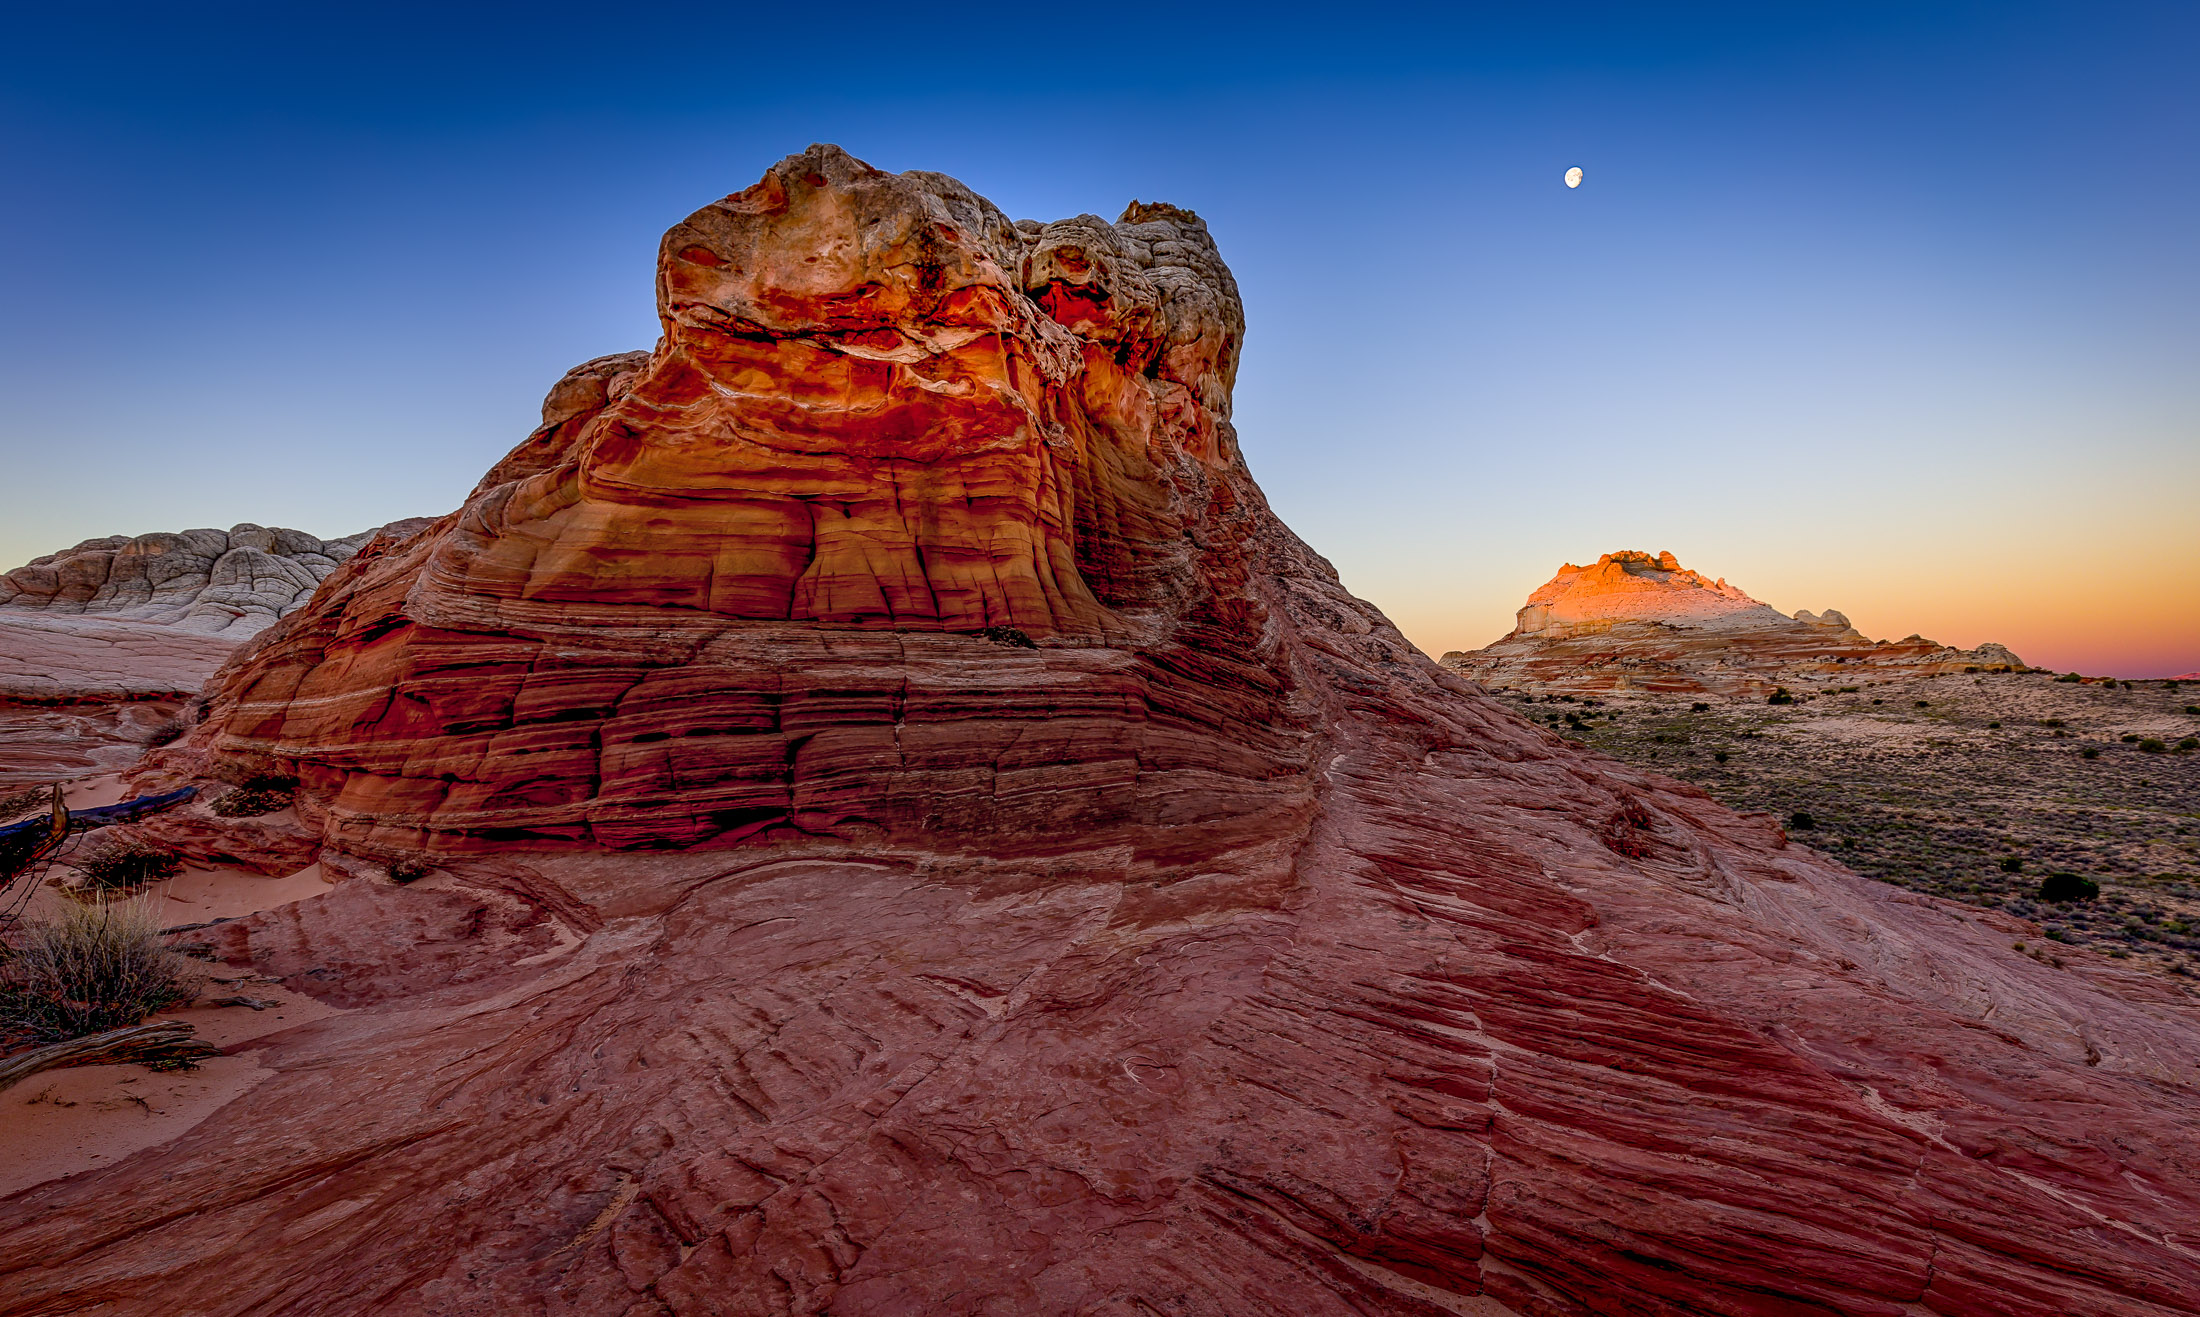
{"x":100,"y":643}
{"x":797,"y":946}
{"x":1631,"y":622}
{"x":234,"y":582}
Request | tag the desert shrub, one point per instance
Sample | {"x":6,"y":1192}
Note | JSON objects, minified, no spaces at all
{"x":2012,"y":864}
{"x":250,"y":802}
{"x":2129,"y":738}
{"x":1780,"y":695}
{"x":2065,"y":887}
{"x":123,"y":864}
{"x":1994,"y":724}
{"x":1922,"y":704}
{"x":2188,"y":745}
{"x":2193,"y":709}
{"x":2149,"y":745}
{"x":408,"y":870}
{"x":2051,"y":722}
{"x":25,"y":802}
{"x":2090,"y":752}
{"x":1008,"y":635}
{"x":97,"y":966}
{"x":167,"y":731}
{"x":1801,"y":821}
{"x":1719,"y":756}
{"x":2070,"y":677}
{"x":1700,"y":707}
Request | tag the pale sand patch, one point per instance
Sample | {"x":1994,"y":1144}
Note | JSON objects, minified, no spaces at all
{"x":65,"y":1122}
{"x":200,"y":896}
{"x":92,"y":792}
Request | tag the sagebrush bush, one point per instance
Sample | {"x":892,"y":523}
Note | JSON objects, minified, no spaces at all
{"x":25,"y":802}
{"x":96,"y":966}
{"x":250,"y":802}
{"x":2061,"y":887}
{"x":123,"y":864}
{"x":2151,"y":746}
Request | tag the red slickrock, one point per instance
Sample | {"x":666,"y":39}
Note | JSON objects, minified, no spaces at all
{"x":1219,"y":954}
{"x":1631,"y":622}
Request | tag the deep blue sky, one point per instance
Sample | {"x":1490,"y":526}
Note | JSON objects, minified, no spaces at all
{"x":1893,"y":308}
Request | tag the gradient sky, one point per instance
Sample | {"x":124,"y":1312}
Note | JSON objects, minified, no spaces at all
{"x":1891,"y":308}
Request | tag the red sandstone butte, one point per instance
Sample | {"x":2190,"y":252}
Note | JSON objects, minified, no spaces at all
{"x":801,"y":949}
{"x":1631,"y":622}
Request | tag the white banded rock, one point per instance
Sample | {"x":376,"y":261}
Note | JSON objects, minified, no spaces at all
{"x":234,"y":583}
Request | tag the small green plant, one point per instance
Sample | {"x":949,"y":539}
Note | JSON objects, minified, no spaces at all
{"x":2188,"y":745}
{"x":2090,"y":752}
{"x":25,"y":802}
{"x":124,"y":864}
{"x":1801,"y":821}
{"x":1923,"y":704}
{"x":1780,"y":695}
{"x":250,"y":802}
{"x":97,"y":966}
{"x":1995,"y":724}
{"x":1700,"y":707}
{"x":2051,"y":722}
{"x":2061,"y":888}
{"x":2149,"y":745}
{"x":2070,"y":677}
{"x":2193,"y":709}
{"x":1009,"y":636}
{"x":2012,"y":864}
{"x":2129,"y":738}
{"x":1719,"y":756}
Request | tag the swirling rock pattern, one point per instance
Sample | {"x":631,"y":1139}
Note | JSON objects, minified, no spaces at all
{"x":1219,"y":954}
{"x":1631,"y":622}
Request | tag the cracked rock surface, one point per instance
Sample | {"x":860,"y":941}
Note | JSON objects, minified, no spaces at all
{"x":796,"y":948}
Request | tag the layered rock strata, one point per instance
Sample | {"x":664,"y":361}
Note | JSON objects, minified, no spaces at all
{"x":1631,"y":622}
{"x":1214,"y":954}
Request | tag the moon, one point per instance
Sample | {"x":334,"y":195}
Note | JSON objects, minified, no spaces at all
{"x":1573,"y":176}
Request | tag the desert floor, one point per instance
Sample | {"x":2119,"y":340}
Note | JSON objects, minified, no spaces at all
{"x":1940,"y":784}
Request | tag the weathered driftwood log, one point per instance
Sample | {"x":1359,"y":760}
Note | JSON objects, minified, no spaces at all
{"x":141,"y":1044}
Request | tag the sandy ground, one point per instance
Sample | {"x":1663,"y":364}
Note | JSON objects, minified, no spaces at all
{"x":64,"y":1122}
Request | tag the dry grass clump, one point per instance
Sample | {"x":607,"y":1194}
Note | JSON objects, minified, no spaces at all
{"x":36,"y":800}
{"x":97,"y":966}
{"x":124,"y":864}
{"x":251,"y":801}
